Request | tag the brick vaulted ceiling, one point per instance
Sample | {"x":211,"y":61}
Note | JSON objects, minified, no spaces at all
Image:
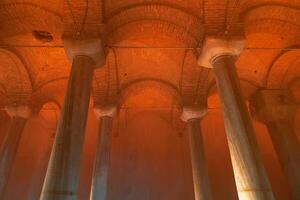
{"x":149,"y":43}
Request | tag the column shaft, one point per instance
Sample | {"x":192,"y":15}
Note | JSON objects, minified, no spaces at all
{"x":200,"y":173}
{"x":64,"y":166}
{"x":250,"y":176}
{"x":9,"y":149}
{"x":101,"y":168}
{"x":287,"y":147}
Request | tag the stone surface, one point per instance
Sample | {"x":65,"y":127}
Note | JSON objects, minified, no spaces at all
{"x":99,"y":188}
{"x":272,"y":106}
{"x":62,"y":176}
{"x":105,"y":111}
{"x":146,"y":41}
{"x":202,"y":186}
{"x":9,"y":149}
{"x":193,"y":112}
{"x":214,"y":47}
{"x":277,"y":109}
{"x":251,"y":178}
{"x":89,"y":47}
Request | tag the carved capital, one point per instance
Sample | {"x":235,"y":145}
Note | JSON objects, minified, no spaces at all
{"x":19,"y":111}
{"x":192,"y":112}
{"x":215,"y":47}
{"x":273,"y":106}
{"x":91,"y":48}
{"x":105,"y":111}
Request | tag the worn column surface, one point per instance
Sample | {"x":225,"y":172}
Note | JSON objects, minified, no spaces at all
{"x":250,"y":176}
{"x":62,"y":176}
{"x":11,"y":141}
{"x":101,"y":167}
{"x":63,"y":170}
{"x":277,"y":109}
{"x":202,"y":187}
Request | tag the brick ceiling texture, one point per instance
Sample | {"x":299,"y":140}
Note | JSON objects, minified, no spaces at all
{"x":152,"y":46}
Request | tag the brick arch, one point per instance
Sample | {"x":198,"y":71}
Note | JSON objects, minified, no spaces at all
{"x":195,"y":81}
{"x":25,"y":17}
{"x":138,"y":88}
{"x":50,"y":91}
{"x":177,"y":4}
{"x":154,"y":20}
{"x":284,"y":71}
{"x":49,"y":114}
{"x":187,"y":77}
{"x":247,"y":5}
{"x":270,"y":26}
{"x":106,"y":81}
{"x":120,"y":71}
{"x":14,"y":78}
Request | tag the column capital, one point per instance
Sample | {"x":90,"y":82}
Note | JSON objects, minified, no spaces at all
{"x":193,"y":112}
{"x":214,"y":47}
{"x":105,"y":111}
{"x":90,"y":47}
{"x":23,"y":111}
{"x":273,"y":106}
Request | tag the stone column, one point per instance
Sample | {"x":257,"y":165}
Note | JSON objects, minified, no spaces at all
{"x":277,"y":109}
{"x":250,"y":176}
{"x":62,"y":175}
{"x":101,"y":166}
{"x":9,"y":147}
{"x":202,"y":186}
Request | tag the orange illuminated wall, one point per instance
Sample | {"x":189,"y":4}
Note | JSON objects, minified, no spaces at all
{"x":149,"y":158}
